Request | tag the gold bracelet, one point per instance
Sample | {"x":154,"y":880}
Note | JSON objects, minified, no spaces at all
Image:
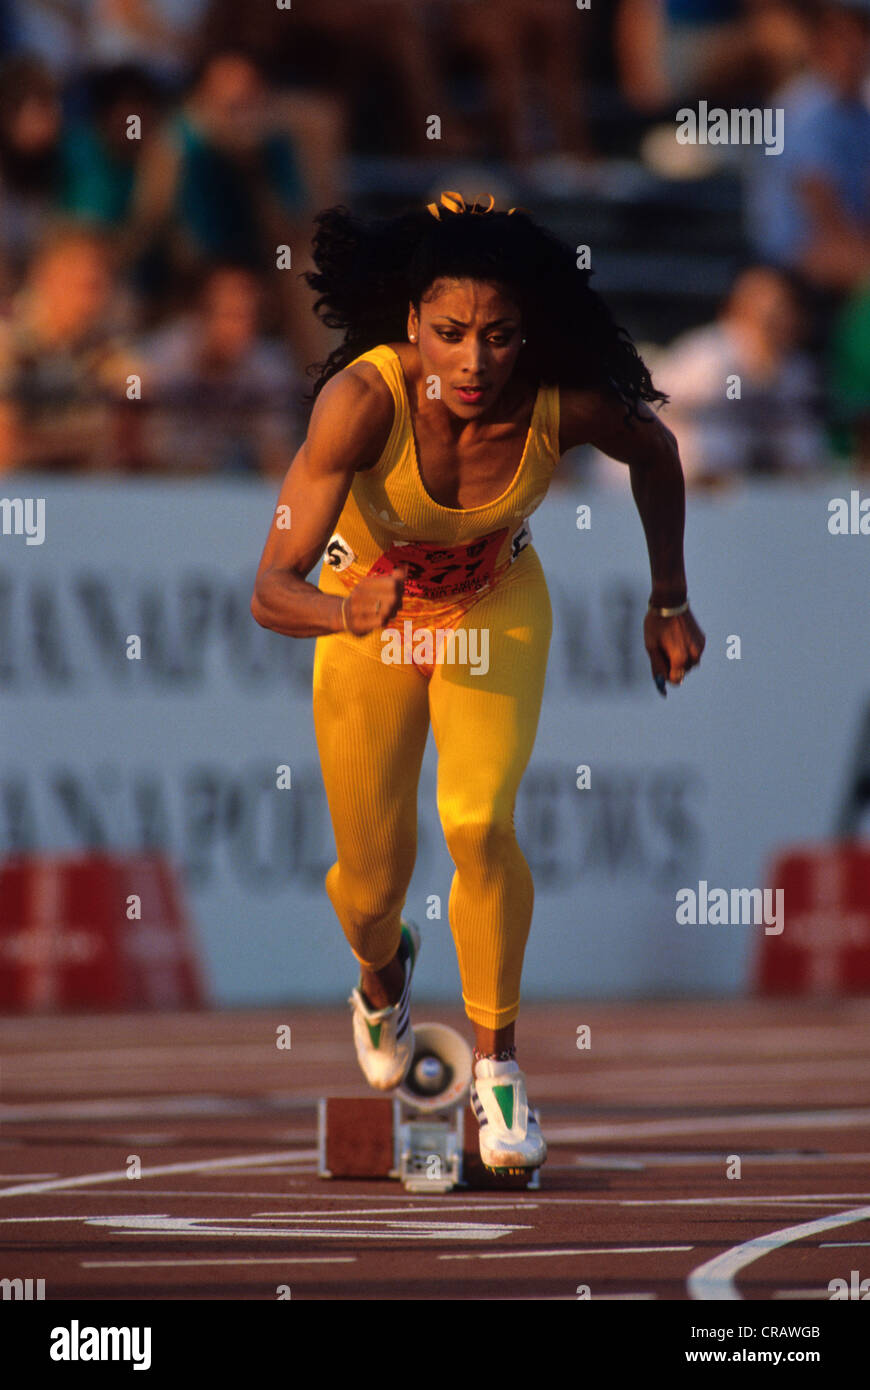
{"x":670,"y":612}
{"x":344,"y":615}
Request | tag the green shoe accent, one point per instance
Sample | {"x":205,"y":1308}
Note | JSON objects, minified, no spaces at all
{"x":505,"y":1097}
{"x":374,"y":1033}
{"x":409,"y":943}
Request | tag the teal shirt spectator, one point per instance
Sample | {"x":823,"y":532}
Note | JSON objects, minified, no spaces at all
{"x":213,"y":203}
{"x":94,"y":184}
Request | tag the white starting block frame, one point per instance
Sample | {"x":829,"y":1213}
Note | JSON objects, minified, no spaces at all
{"x":429,"y":1150}
{"x":429,"y":1128}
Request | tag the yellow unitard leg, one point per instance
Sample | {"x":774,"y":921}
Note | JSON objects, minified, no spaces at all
{"x":485,"y":726}
{"x":371,"y":722}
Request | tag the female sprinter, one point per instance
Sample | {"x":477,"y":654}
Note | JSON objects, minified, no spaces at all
{"x":474,"y":355}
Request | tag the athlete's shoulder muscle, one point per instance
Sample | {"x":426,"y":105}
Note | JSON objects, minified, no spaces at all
{"x":349,"y":427}
{"x":350,"y":423}
{"x":597,"y":416}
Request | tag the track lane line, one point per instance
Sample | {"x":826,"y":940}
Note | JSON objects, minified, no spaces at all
{"x":715,"y":1279}
{"x":195,"y":1166}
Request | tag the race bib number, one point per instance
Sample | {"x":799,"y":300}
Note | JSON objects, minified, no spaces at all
{"x":338,"y":554}
{"x":520,"y":539}
{"x":437,"y":572}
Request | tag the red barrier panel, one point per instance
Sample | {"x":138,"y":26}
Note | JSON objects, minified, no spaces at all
{"x":824,"y":947}
{"x":70,"y":935}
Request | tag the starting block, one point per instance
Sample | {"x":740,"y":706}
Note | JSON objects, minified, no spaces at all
{"x":424,"y":1134}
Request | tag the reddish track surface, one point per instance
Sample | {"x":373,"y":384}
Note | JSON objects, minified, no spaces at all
{"x":635,"y":1201}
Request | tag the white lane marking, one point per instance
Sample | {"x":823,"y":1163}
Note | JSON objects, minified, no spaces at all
{"x":709,"y":1124}
{"x":202,"y":1165}
{"x":841,"y":1197}
{"x":33,"y":1220}
{"x":402,"y":1202}
{"x":254,"y":1260}
{"x":539,"y":1254}
{"x":715,"y":1278}
{"x":132,"y":1106}
{"x":437,"y":1209}
{"x":331,"y":1224}
{"x":332,"y":1228}
{"x":333,"y":1217}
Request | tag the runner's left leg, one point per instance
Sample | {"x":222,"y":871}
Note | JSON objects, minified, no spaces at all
{"x":485,"y":725}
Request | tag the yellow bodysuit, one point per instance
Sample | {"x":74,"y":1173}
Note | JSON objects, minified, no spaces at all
{"x":467,"y":652}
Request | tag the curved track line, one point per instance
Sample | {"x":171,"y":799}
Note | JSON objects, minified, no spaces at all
{"x":715,"y":1279}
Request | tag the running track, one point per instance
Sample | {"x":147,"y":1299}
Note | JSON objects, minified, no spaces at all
{"x":635,"y":1201}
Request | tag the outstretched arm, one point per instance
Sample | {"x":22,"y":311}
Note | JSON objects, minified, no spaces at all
{"x":650,"y":449}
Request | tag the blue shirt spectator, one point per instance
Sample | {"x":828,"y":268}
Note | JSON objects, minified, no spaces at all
{"x":825,"y":134}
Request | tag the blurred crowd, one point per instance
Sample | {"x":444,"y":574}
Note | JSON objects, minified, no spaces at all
{"x":161,"y":163}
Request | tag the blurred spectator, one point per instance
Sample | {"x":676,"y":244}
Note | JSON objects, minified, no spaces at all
{"x":223,"y":174}
{"x":850,"y":378}
{"x":222,"y":182}
{"x":51,"y":30}
{"x":530,"y":55}
{"x":672,"y":49}
{"x":377,"y":60}
{"x":99,"y":157}
{"x":81,"y":168}
{"x":221,"y":398}
{"x":809,"y":207}
{"x":158,"y":36}
{"x":774,"y":424}
{"x":30,"y":159}
{"x":63,"y":366}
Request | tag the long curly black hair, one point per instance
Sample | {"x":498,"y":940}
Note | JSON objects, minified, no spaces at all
{"x":369,"y":271}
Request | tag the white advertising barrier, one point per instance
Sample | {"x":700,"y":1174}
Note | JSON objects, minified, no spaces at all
{"x":180,"y":749}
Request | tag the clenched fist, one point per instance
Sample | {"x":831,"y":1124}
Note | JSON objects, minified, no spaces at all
{"x":674,"y":646}
{"x":374,"y":602}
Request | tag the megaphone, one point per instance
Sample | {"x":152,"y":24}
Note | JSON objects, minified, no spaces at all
{"x":440,"y":1072}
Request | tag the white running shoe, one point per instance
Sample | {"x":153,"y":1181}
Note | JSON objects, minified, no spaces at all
{"x":383,"y":1038}
{"x":511,"y":1141}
